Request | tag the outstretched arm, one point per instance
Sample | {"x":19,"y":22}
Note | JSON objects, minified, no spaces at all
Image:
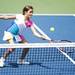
{"x":7,"y":16}
{"x":37,"y":34}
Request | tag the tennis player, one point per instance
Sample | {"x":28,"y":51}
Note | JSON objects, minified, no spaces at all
{"x":15,"y":32}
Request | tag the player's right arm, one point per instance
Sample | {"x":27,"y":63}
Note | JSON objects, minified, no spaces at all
{"x":7,"y":16}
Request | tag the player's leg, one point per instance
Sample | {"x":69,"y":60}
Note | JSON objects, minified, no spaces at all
{"x":5,"y":55}
{"x":8,"y":37}
{"x":24,"y":53}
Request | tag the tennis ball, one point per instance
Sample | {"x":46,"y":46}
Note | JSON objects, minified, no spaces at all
{"x":52,"y":29}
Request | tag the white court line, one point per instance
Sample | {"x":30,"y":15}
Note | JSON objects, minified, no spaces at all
{"x":40,"y":14}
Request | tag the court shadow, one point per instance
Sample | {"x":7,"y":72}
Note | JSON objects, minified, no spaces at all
{"x":35,"y":63}
{"x":46,"y":67}
{"x":13,"y":65}
{"x":41,"y":65}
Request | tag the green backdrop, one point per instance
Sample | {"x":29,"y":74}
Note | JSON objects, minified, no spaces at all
{"x":40,"y":6}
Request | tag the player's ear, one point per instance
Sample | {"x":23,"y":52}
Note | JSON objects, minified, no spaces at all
{"x":25,"y":12}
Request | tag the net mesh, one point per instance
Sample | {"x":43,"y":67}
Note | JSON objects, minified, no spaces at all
{"x":46,"y":59}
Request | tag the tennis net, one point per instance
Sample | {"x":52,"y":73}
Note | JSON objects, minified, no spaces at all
{"x":43,"y":51}
{"x":47,"y":56}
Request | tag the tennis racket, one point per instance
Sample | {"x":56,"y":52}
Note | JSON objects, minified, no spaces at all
{"x":61,"y":41}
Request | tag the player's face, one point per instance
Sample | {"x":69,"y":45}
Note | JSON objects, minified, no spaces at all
{"x":29,"y":13}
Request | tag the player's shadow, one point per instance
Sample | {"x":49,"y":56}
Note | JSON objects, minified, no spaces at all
{"x":41,"y":65}
{"x":13,"y":65}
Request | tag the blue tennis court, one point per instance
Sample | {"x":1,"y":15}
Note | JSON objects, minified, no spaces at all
{"x":48,"y":61}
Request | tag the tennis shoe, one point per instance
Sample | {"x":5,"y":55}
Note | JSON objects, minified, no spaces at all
{"x":2,"y":62}
{"x":23,"y":62}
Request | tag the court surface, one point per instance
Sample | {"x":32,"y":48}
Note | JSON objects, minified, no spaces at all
{"x":51,"y":62}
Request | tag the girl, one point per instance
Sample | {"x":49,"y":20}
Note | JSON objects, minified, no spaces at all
{"x":21,"y":22}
